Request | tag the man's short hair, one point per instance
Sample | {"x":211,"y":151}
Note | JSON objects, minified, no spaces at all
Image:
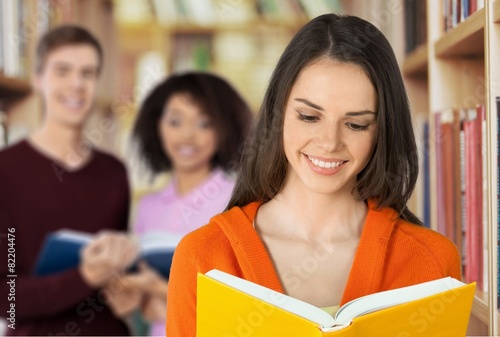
{"x":64,"y":36}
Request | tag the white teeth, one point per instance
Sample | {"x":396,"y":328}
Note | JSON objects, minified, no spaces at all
{"x":323,"y":164}
{"x":73,"y":103}
{"x":186,"y":150}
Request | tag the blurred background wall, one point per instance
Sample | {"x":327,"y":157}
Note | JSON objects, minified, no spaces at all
{"x":146,"y":40}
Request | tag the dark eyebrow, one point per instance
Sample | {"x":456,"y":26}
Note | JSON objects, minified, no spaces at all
{"x":317,"y":107}
{"x":90,"y":68}
{"x":360,"y":113}
{"x":62,"y":65}
{"x":312,"y":105}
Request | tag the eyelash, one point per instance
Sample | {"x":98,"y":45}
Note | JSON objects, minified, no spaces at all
{"x":307,"y":118}
{"x":357,"y":127}
{"x":352,"y":126}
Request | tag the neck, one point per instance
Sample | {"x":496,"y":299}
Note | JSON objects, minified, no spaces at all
{"x":313,"y":215}
{"x":187,"y":180}
{"x":63,"y":143}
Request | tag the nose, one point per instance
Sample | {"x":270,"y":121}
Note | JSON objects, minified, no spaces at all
{"x":329,"y":137}
{"x":188,"y":131}
{"x":77,"y":80}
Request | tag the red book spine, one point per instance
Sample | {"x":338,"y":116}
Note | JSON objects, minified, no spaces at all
{"x":469,"y":256}
{"x":472,"y":6}
{"x":474,"y":198}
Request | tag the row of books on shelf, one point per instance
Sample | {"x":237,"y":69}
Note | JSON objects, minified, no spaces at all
{"x":456,"y":11}
{"x":21,"y":23}
{"x":415,"y":11}
{"x":461,"y":178}
{"x":211,"y":12}
{"x":293,"y":10}
{"x":246,"y":60}
{"x":12,"y":39}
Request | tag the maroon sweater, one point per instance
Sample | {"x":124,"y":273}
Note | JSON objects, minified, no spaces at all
{"x":37,"y":197}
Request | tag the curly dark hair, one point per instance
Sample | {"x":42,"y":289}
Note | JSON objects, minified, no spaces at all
{"x":228,"y":111}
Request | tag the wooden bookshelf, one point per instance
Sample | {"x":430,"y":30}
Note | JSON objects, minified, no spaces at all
{"x":462,"y":70}
{"x":466,"y":39}
{"x":416,"y":62}
{"x":142,"y":31}
{"x":13,"y":88}
{"x":480,"y":308}
{"x":497,"y":317}
{"x":496,"y":11}
{"x":246,"y":27}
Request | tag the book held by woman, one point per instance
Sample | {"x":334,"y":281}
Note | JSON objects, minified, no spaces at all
{"x":230,"y":306}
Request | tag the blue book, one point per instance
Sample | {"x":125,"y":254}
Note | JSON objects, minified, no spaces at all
{"x":61,"y":251}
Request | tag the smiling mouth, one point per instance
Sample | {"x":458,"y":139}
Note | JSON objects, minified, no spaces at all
{"x":325,"y":164}
{"x":73,"y":103}
{"x":186,"y":150}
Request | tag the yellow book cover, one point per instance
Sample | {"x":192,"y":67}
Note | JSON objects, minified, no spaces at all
{"x":228,"y":306}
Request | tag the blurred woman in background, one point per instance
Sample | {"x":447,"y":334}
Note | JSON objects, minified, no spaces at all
{"x":192,"y":125}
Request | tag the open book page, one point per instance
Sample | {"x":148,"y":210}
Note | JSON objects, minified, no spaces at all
{"x":158,"y":241}
{"x":75,"y":236}
{"x":385,"y":299}
{"x":290,"y":304}
{"x":157,"y":250}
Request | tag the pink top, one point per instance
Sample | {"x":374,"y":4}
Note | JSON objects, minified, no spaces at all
{"x":166,"y":211}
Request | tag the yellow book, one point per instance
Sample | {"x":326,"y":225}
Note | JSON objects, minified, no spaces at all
{"x":228,"y":306}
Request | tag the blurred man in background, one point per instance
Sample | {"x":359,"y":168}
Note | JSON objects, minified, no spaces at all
{"x":55,"y":180}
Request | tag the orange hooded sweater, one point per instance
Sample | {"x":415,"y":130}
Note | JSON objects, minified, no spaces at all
{"x":392,"y":253}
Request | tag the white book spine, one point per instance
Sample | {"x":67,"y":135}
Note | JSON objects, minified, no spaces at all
{"x":11,"y":38}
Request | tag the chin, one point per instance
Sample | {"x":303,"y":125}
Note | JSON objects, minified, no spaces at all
{"x":189,"y":167}
{"x":332,"y":188}
{"x":74,"y":122}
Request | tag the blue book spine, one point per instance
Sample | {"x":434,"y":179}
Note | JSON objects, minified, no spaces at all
{"x":464,"y":10}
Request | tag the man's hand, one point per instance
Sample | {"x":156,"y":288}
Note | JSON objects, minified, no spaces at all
{"x":107,"y":256}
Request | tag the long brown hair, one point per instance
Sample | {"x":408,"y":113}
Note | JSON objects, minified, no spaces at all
{"x":392,"y":171}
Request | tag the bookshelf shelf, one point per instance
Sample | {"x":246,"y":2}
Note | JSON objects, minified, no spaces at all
{"x":496,"y":11}
{"x":466,"y":39}
{"x":193,"y":28}
{"x":11,"y":88}
{"x":480,"y":307}
{"x":416,"y":62}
